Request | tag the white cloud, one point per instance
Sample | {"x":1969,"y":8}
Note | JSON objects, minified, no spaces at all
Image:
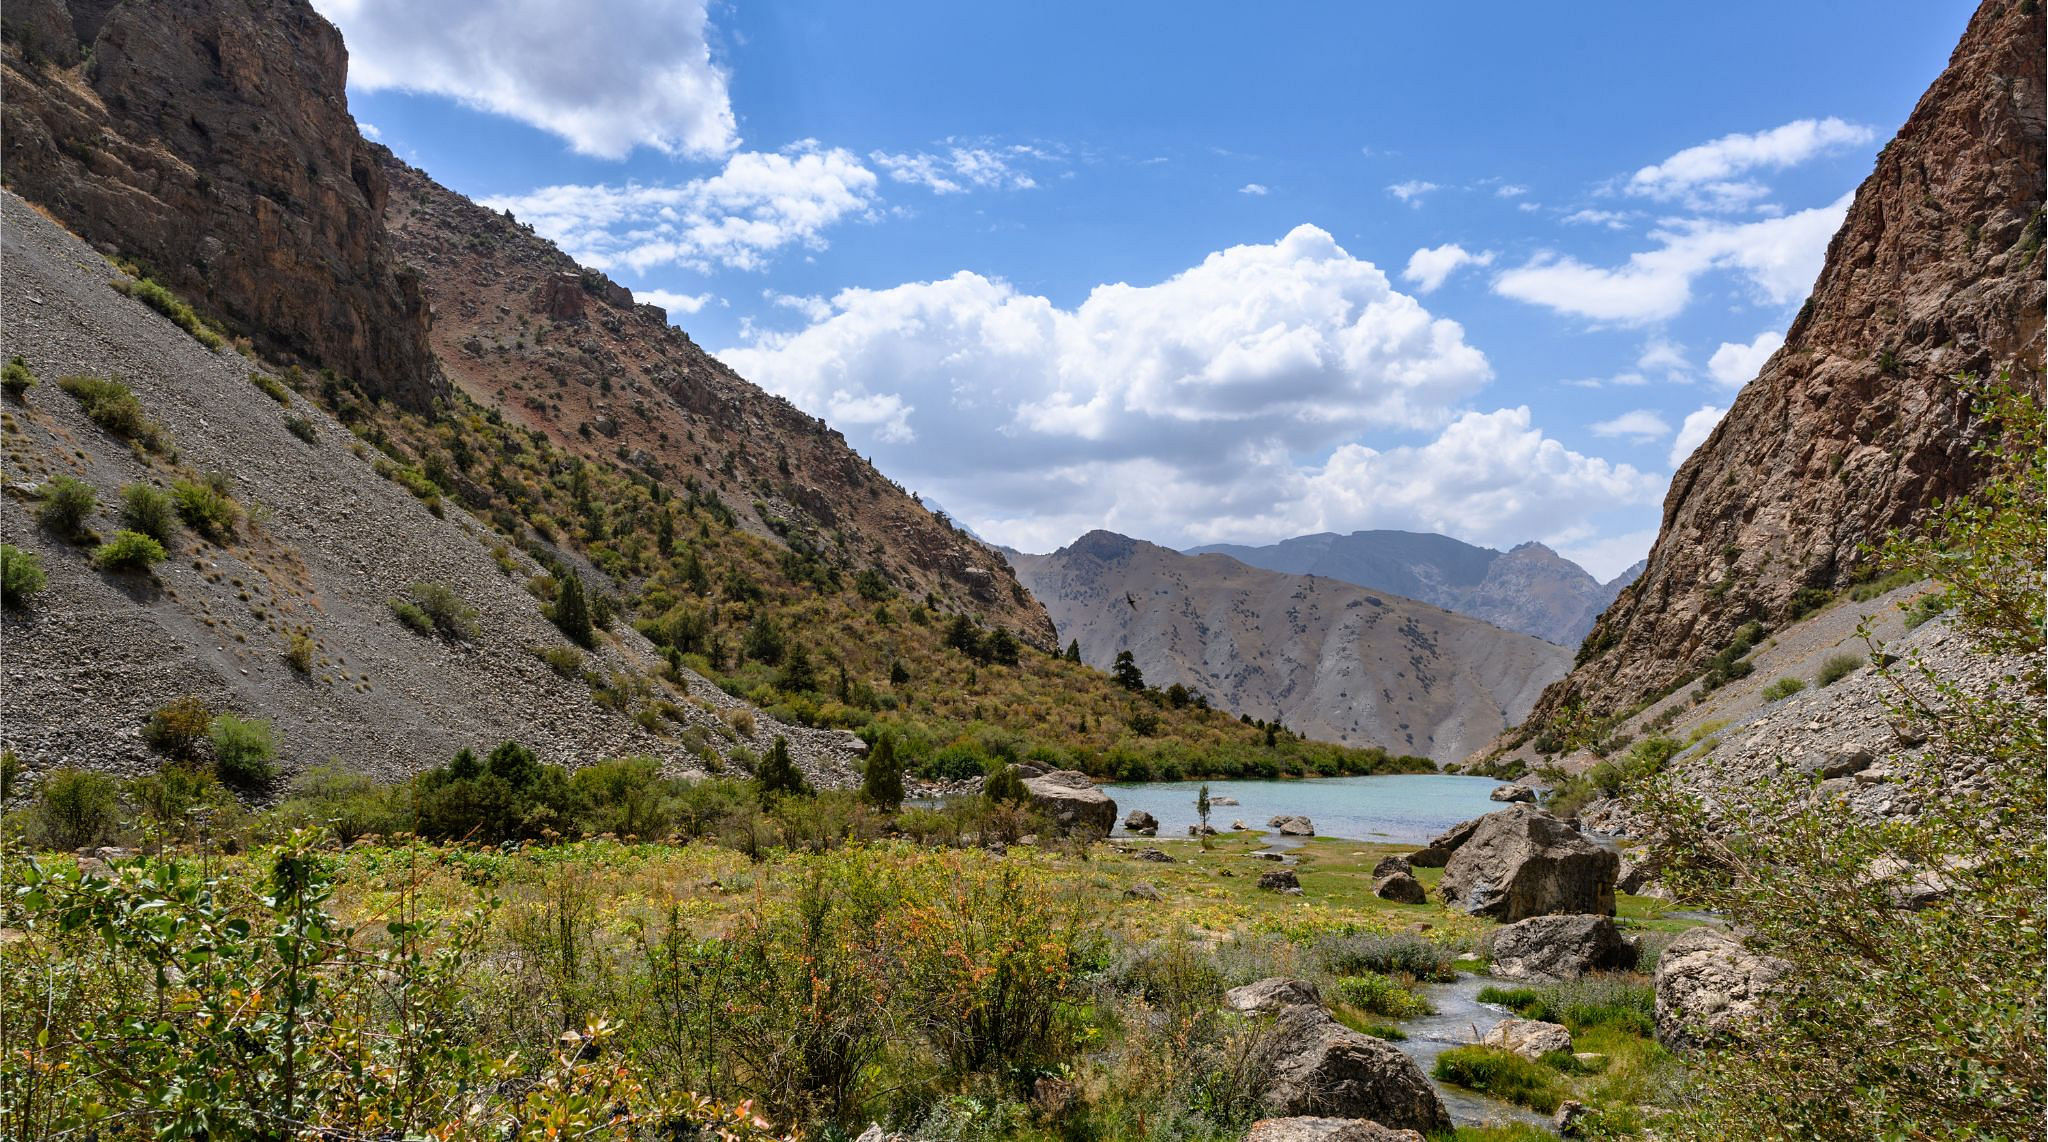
{"x":1605,"y":556}
{"x":1411,"y":192}
{"x":1511,"y":190}
{"x":813,"y":307}
{"x":369,"y":130}
{"x":965,"y":167}
{"x":605,"y":77}
{"x":673,"y":302}
{"x":1708,"y":176}
{"x":1734,"y":363}
{"x":1254,"y":189}
{"x":1430,"y":266}
{"x":1779,"y":257}
{"x":1661,"y":354}
{"x":760,"y":203}
{"x":1694,"y":432}
{"x":1612,"y":219}
{"x":1639,"y":425}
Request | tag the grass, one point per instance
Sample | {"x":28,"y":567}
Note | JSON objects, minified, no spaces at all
{"x":1783,"y":688}
{"x":172,"y":306}
{"x":271,"y":387}
{"x":1503,"y":1075}
{"x":1622,"y":1002}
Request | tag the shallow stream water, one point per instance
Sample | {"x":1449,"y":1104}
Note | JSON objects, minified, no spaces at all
{"x":1460,"y":1019}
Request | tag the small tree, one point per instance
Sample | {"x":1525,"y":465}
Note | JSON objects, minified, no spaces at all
{"x":778,"y":774}
{"x":1074,"y":650}
{"x":881,"y":779}
{"x":1127,"y":673}
{"x":1202,"y":811}
{"x":76,"y":808}
{"x":67,"y":503}
{"x":572,"y":611}
{"x":798,"y":675}
{"x":1005,"y":786}
{"x":1002,"y":648}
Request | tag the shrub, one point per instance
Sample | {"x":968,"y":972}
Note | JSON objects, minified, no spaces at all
{"x":76,"y":808}
{"x":177,"y":727}
{"x":272,"y":388}
{"x":563,"y":660}
{"x":298,"y":650}
{"x":351,"y":805}
{"x":411,"y":616}
{"x":67,"y":503}
{"x":1502,"y":1074}
{"x":21,"y":575}
{"x":128,"y":551}
{"x":1361,"y":953}
{"x":172,"y":306}
{"x":881,"y":779}
{"x":1379,"y":995}
{"x":150,"y":511}
{"x":625,"y":796}
{"x":509,"y":795}
{"x":302,"y":427}
{"x":243,"y":749}
{"x":777,"y":773}
{"x":16,"y":378}
{"x":1836,"y":668}
{"x":1783,"y":688}
{"x":112,"y":405}
{"x":436,"y":608}
{"x":206,"y":507}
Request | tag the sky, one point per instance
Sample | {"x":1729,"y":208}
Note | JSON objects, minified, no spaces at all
{"x":1191,"y":272}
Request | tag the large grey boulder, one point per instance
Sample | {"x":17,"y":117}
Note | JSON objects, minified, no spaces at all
{"x":1529,"y":1038}
{"x":1292,"y":825}
{"x":1073,"y":802}
{"x":1400,"y":888}
{"x":1141,"y":823}
{"x":1553,"y":948}
{"x":1326,"y":1130}
{"x":1329,"y":1069}
{"x":1708,"y":984}
{"x":1272,"y":995}
{"x":1523,"y":862}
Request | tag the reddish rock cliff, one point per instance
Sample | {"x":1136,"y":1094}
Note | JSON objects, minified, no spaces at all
{"x":1857,"y":425}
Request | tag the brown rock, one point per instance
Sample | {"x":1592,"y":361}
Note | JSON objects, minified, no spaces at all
{"x":1280,"y":880}
{"x":1401,"y":888}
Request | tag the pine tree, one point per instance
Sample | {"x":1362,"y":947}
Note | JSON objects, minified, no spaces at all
{"x":572,"y":611}
{"x":1074,"y":650}
{"x":1127,"y":673}
{"x":882,"y":780}
{"x":777,"y":774}
{"x":1005,"y":785}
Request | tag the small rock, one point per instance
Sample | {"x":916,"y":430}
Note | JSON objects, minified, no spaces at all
{"x":1529,"y":1038}
{"x":1292,"y":825}
{"x":1201,"y":830}
{"x":1304,"y":1129}
{"x":1389,"y":865}
{"x":1142,"y":823}
{"x":1280,"y":880}
{"x":1222,"y":800}
{"x":1513,"y":793}
{"x":1570,"y":1118}
{"x":1142,"y":891}
{"x":1155,"y":856}
{"x":1267,"y":856}
{"x":1272,"y":994}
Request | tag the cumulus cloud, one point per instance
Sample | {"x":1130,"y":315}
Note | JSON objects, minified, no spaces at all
{"x":1640,"y":425}
{"x":1666,"y":356}
{"x":962,"y":168}
{"x":1709,"y":176}
{"x":1778,"y":257}
{"x":605,"y":77}
{"x":1698,"y":425}
{"x":1257,"y":190}
{"x":1430,"y":266}
{"x":1734,"y":363}
{"x":759,"y":204}
{"x":1412,"y":191}
{"x":673,"y":302}
{"x":1612,"y":219}
{"x":1510,"y":190}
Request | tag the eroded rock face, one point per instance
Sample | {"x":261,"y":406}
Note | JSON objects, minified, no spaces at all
{"x":1529,"y":1038}
{"x":1708,"y":983}
{"x":1330,"y":1069}
{"x":1553,"y":948}
{"x":1523,"y":862}
{"x":211,"y":142}
{"x":1326,"y":1130}
{"x":1856,"y":426}
{"x":1073,"y":802}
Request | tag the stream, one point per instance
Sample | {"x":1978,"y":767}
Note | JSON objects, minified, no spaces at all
{"x":1460,"y":1019}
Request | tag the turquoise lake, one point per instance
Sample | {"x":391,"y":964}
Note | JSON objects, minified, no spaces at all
{"x":1399,"y":809}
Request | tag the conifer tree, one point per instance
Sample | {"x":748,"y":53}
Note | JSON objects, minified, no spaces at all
{"x":882,"y":779}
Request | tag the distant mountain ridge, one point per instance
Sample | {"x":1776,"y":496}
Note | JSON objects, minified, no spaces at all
{"x":1329,"y":659}
{"x":1529,"y":589}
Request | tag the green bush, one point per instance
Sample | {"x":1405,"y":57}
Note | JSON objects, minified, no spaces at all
{"x":571,"y":612}
{"x":777,"y":774}
{"x":21,"y":575}
{"x":150,"y":511}
{"x":1783,"y":688}
{"x":76,"y":808}
{"x":177,"y":727}
{"x":435,"y":608}
{"x":272,"y":388}
{"x":566,"y":661}
{"x":1502,"y":1074}
{"x":16,"y":378}
{"x":351,"y":805}
{"x":206,"y":507}
{"x":243,"y":749}
{"x":626,"y":797}
{"x":172,"y":306}
{"x":128,"y":551}
{"x":881,"y":779}
{"x":1375,"y":993}
{"x":67,"y":503}
{"x":1836,"y":668}
{"x":302,"y":427}
{"x":507,"y":796}
{"x":112,"y":405}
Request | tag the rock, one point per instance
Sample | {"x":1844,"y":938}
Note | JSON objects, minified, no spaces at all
{"x":1142,"y":823}
{"x":1201,"y":830}
{"x":875,"y":1133}
{"x":1707,"y":982}
{"x":1142,"y":891}
{"x":1267,"y":855}
{"x":1271,"y":995}
{"x":1429,"y":856}
{"x":1635,"y":873}
{"x":1155,"y":856}
{"x":1073,"y":802}
{"x":1389,"y":865}
{"x":1523,"y":862}
{"x":1222,"y":800}
{"x":1456,"y":835}
{"x":1513,"y":793}
{"x":1842,"y":760}
{"x":1401,"y":888}
{"x":1306,"y":1129}
{"x":1553,"y":948}
{"x":1238,"y":826}
{"x":560,"y":296}
{"x":1292,"y":825}
{"x":1026,"y":771}
{"x":1330,"y":1069}
{"x":1571,"y":1118}
{"x":1280,"y":880}
{"x":1529,"y":1038}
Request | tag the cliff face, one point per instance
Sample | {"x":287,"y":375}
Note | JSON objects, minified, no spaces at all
{"x":210,"y":141}
{"x":1330,"y":660}
{"x":1857,"y":425}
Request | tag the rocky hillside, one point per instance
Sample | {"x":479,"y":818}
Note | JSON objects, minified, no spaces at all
{"x":1328,"y":659}
{"x":1858,"y":424}
{"x":323,"y":542}
{"x":210,"y":142}
{"x":1530,"y":589}
{"x":525,"y":331}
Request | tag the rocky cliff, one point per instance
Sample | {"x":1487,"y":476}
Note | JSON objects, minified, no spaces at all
{"x":1327,"y":659}
{"x":1858,"y":424}
{"x":209,"y":141}
{"x":1530,"y":589}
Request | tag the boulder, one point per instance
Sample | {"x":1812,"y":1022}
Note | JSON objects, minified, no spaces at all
{"x":1513,"y":793}
{"x":1429,"y":856}
{"x":1553,"y":948}
{"x":1201,"y":830}
{"x":1280,"y":880}
{"x":1272,"y":856}
{"x":1456,"y":835}
{"x":1238,"y":826}
{"x":1329,"y":1069}
{"x":1222,"y":800}
{"x":1142,"y":823}
{"x":1292,"y":825}
{"x":1529,"y":1038}
{"x":1707,"y":983}
{"x":1272,"y":995}
{"x":1636,"y":873}
{"x":1843,"y":760}
{"x":1401,"y":888}
{"x":1142,"y":891}
{"x":1326,"y":1130}
{"x":1155,"y":856}
{"x":1523,"y":862}
{"x":1571,"y":1118}
{"x":875,"y":1133}
{"x":1389,"y":865}
{"x":1073,"y":802}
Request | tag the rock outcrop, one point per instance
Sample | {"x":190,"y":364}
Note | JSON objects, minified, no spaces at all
{"x":1554,"y":948}
{"x":210,"y":142}
{"x":1073,"y":802}
{"x":1708,"y":983}
{"x":1857,"y":425}
{"x":1523,"y":862}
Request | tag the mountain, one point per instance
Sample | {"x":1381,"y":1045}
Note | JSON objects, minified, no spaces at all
{"x":1858,"y":424}
{"x":1530,"y":589}
{"x":1329,"y":659}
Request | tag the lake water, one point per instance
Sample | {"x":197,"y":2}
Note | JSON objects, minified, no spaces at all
{"x":1407,"y":808}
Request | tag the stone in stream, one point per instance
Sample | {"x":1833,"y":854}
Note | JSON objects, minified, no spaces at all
{"x":1401,"y":888}
{"x":1326,"y":1130}
{"x":1556,"y":948}
{"x":1292,"y":825}
{"x":1529,"y":1038}
{"x":1141,"y":823}
{"x":1523,"y":862}
{"x":1073,"y":802}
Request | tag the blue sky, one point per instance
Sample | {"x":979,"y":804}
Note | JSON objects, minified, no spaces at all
{"x":1191,"y":272}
